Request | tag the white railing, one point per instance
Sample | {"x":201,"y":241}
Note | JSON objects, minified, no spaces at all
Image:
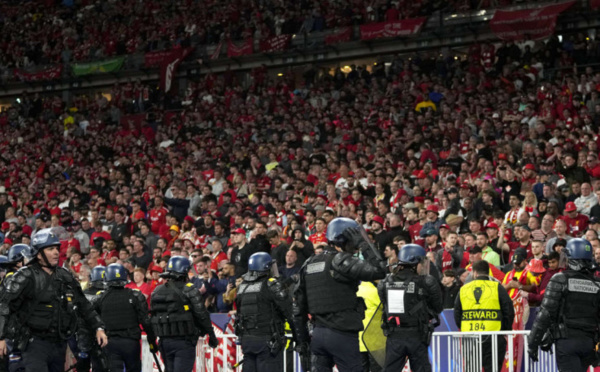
{"x":464,"y":352}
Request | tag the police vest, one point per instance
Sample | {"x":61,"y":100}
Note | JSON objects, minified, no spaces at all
{"x":172,"y":313}
{"x":404,"y":301}
{"x":52,"y":315}
{"x":256,"y":309}
{"x":118,"y":311}
{"x":325,"y":294}
{"x":581,"y":302}
{"x":480,"y":306}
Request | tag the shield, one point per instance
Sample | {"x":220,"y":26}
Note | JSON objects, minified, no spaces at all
{"x":373,"y":337}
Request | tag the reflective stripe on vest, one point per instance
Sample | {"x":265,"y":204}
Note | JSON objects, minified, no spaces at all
{"x":480,"y":307}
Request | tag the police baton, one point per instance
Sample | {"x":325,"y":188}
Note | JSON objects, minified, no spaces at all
{"x":157,"y":362}
{"x":238,"y":363}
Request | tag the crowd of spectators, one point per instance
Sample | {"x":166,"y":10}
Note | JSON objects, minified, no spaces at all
{"x":47,"y":32}
{"x":491,"y":156}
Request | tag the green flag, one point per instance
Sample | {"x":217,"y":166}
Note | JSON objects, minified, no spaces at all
{"x":108,"y":65}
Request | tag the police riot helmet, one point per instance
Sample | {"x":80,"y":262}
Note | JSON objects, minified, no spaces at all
{"x":178,"y":266}
{"x":579,"y":254}
{"x":3,"y":261}
{"x":260,"y":262}
{"x":411,"y":255}
{"x":18,"y":253}
{"x":115,"y":275}
{"x":43,"y":239}
{"x":336,"y":228}
{"x":98,"y":273}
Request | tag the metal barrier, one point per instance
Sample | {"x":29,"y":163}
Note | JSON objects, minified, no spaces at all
{"x":469,"y":351}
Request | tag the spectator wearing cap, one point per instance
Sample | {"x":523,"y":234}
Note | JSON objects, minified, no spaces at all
{"x":518,"y":278}
{"x":487,"y":253}
{"x":431,"y":240}
{"x":545,"y":232}
{"x":492,"y":230}
{"x":377,"y":229}
{"x":536,"y":295}
{"x":240,"y":253}
{"x":576,"y":222}
{"x":594,"y":224}
{"x":432,"y":218}
{"x":587,"y":200}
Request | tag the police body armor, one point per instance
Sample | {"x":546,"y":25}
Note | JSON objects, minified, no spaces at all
{"x":117,"y":310}
{"x":580,"y":304}
{"x":257,"y":316}
{"x":324,"y":293}
{"x":51,"y":315}
{"x":405,"y":307}
{"x":171,"y":313}
{"x":93,"y":291}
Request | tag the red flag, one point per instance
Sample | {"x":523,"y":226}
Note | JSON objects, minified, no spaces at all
{"x":169,"y":67}
{"x":217,"y":51}
{"x":340,"y":36}
{"x":404,"y":27}
{"x":233,"y":50}
{"x":537,"y":23}
{"x":49,"y":73}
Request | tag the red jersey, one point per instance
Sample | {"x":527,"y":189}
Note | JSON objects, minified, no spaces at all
{"x":158,"y":218}
{"x":318,"y":238}
{"x":576,"y":226}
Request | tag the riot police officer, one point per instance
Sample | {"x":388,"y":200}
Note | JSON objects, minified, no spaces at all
{"x":570,"y":311}
{"x":47,"y":302}
{"x":123,"y":310}
{"x":178,"y":317}
{"x":327,"y":290}
{"x":11,"y":263}
{"x":263,"y":305}
{"x":97,"y":284}
{"x":411,"y":299}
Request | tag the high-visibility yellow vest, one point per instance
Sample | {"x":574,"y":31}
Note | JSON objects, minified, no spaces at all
{"x":480,"y":306}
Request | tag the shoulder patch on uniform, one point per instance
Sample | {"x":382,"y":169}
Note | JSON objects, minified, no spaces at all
{"x":99,"y":293}
{"x":316,"y":267}
{"x":582,"y":286}
{"x":271,"y":279}
{"x":135,"y":289}
{"x":8,"y":274}
{"x":189,"y":285}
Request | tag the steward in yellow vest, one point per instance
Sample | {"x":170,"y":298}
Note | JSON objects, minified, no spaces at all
{"x":483,"y":305}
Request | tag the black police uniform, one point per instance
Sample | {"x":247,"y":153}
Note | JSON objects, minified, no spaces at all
{"x":178,"y":317}
{"x":94,"y":290}
{"x":570,"y":310}
{"x":406,"y":322}
{"x":13,"y":362}
{"x":327,"y":290}
{"x":47,"y":308}
{"x":123,"y":310}
{"x":263,"y":305}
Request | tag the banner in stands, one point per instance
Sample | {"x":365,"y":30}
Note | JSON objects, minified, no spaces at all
{"x":49,"y":73}
{"x":404,"y":27}
{"x":155,"y":59}
{"x":243,"y":49}
{"x":169,"y":66}
{"x":341,"y":35}
{"x":108,"y":65}
{"x":537,"y":23}
{"x":276,"y":44}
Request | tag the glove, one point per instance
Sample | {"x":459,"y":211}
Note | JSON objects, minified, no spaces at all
{"x":83,"y":362}
{"x":213,"y":341}
{"x":353,"y":239}
{"x":153,"y":346}
{"x":533,"y":353}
